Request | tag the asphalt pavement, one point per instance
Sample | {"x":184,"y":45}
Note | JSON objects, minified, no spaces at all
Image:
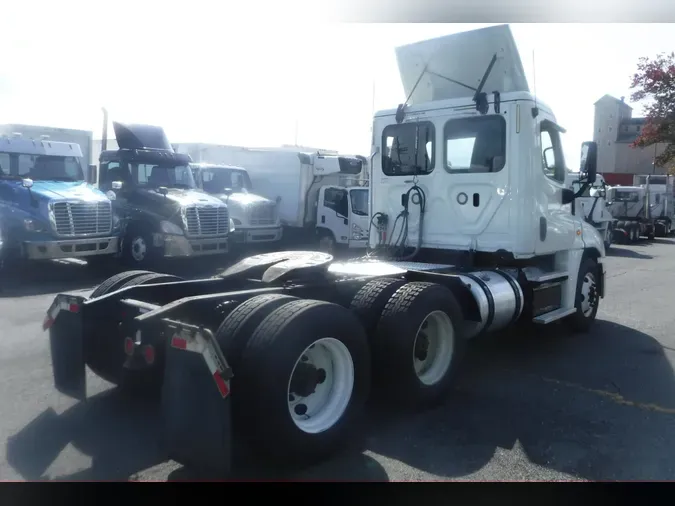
{"x":549,"y":406}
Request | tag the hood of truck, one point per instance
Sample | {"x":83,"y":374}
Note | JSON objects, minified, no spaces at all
{"x":461,"y":58}
{"x":180,"y":197}
{"x":60,"y":190}
{"x":239,"y":203}
{"x":141,"y":137}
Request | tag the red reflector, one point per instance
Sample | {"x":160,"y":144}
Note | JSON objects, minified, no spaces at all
{"x":74,"y":308}
{"x":179,"y":342}
{"x":220,"y":383}
{"x":47,"y":323}
{"x":149,"y":354}
{"x":129,"y":346}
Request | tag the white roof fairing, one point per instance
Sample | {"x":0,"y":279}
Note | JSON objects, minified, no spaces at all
{"x":26,"y":146}
{"x":461,"y":58}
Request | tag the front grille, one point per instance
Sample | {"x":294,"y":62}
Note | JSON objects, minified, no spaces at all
{"x":263,"y":214}
{"x":207,"y":221}
{"x":74,"y":219}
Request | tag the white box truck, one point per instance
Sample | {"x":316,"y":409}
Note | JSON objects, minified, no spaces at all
{"x":321,"y":197}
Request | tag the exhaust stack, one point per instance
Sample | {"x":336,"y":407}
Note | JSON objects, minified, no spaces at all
{"x":104,"y":135}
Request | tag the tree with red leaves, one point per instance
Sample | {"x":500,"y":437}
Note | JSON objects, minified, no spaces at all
{"x":655,"y":82}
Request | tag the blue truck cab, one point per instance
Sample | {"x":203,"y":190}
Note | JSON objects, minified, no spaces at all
{"x":47,"y":210}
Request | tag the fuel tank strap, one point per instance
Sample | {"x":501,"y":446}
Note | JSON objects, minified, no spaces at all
{"x":488,"y":296}
{"x":517,"y":295}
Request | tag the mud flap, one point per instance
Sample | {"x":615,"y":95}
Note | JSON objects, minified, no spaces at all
{"x":67,"y":350}
{"x":196,"y":406}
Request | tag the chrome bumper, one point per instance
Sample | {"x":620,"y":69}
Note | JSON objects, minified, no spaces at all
{"x":72,"y":248}
{"x":177,"y":246}
{"x":256,"y":235}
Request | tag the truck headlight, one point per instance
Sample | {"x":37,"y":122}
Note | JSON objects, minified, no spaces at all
{"x":358,"y":233}
{"x":237,"y":222}
{"x":232,"y":227}
{"x":33,"y":225}
{"x":170,"y":228}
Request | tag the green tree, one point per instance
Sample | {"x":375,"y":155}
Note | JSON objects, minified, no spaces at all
{"x":654,"y":81}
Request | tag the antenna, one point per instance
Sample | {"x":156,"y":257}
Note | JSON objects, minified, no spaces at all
{"x":535,"y":109}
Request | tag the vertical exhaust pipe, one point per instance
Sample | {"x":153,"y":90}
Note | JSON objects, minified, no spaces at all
{"x":104,"y":134}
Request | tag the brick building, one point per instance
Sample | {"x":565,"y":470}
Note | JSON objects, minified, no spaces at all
{"x":614,"y":130}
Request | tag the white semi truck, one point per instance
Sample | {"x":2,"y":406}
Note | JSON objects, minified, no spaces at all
{"x":321,"y":197}
{"x":642,"y":210}
{"x":593,"y":203}
{"x":471,"y":234}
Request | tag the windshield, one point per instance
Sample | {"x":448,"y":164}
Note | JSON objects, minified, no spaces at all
{"x":40,"y":167}
{"x":168,"y":175}
{"x":359,"y":202}
{"x":215,"y":180}
{"x":625,"y":196}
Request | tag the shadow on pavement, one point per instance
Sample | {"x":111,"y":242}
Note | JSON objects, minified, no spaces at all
{"x":626,"y":253}
{"x":598,"y":406}
{"x":119,"y":434}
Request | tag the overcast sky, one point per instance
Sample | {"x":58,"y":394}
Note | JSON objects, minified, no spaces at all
{"x":220,"y":77}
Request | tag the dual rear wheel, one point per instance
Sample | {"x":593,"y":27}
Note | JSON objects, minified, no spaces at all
{"x":303,"y":368}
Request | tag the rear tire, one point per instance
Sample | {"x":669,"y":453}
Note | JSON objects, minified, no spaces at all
{"x":421,"y":325}
{"x":271,"y":396}
{"x":370,"y":300}
{"x":106,"y":358}
{"x":112,"y":283}
{"x":237,"y":328}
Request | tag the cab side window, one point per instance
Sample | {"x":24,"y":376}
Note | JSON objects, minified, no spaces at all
{"x":336,"y":200}
{"x":553,"y":161}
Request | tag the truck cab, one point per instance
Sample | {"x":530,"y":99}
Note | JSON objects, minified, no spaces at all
{"x":342,"y":217}
{"x":475,"y":178}
{"x":255,"y":218}
{"x":164,"y":214}
{"x":47,"y":210}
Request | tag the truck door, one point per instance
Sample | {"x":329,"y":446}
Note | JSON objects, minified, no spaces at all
{"x":333,"y":212}
{"x":116,"y":172}
{"x":556,"y":225}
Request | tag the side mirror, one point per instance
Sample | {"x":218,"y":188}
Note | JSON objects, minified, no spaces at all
{"x":567,"y":196}
{"x":117,"y":185}
{"x":27,"y":183}
{"x":163,"y":190}
{"x":589,"y":161}
{"x":91,"y":174}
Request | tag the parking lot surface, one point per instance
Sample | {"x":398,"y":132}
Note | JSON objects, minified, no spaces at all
{"x":549,"y":406}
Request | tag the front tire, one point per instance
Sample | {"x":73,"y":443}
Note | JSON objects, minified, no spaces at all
{"x":137,"y":249}
{"x":303,"y":382}
{"x":587,"y":299}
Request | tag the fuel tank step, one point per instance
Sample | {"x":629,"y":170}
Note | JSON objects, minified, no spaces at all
{"x":552,"y":316}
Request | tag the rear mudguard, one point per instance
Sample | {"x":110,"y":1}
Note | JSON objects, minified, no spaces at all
{"x":195,"y":402}
{"x":64,"y":322}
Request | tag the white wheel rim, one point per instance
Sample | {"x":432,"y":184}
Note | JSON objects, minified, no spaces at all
{"x":321,"y":409}
{"x":138,"y":249}
{"x":433,"y":348}
{"x":588,"y":295}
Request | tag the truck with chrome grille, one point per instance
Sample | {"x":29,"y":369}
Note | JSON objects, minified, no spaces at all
{"x":47,"y":209}
{"x":473,"y":232}
{"x":163,"y":213}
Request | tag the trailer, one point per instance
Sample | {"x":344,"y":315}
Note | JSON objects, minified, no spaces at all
{"x":471,"y":233}
{"x":321,"y":196}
